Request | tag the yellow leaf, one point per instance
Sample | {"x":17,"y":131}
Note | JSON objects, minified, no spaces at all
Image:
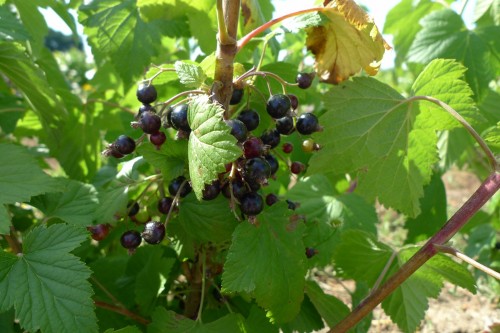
{"x":348,"y":42}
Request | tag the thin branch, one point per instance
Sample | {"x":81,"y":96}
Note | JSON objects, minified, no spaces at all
{"x":122,"y":311}
{"x":467,"y":259}
{"x":106,"y":291}
{"x":384,"y":271}
{"x":203,"y":282}
{"x":14,"y":243}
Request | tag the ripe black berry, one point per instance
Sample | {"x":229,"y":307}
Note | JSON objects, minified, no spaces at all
{"x":238,"y":129}
{"x":285,"y":125}
{"x":236,"y":96}
{"x":253,"y":147}
{"x":124,"y":145}
{"x":257,"y":169}
{"x":143,"y":108}
{"x":132,"y":208}
{"x":307,"y":123}
{"x":273,"y":163}
{"x":238,"y":187}
{"x":287,"y":147}
{"x":294,"y":101}
{"x":154,"y":232}
{"x":250,"y":118}
{"x":175,"y":186}
{"x":278,"y":105}
{"x":146,"y":93}
{"x":150,"y":122}
{"x":271,"y":138}
{"x":158,"y":139}
{"x":297,"y":167}
{"x":179,"y":117}
{"x":304,"y":80}
{"x":165,"y":204}
{"x":131,"y":239}
{"x":211,"y":191}
{"x":291,"y":205}
{"x":99,"y":231}
{"x":251,"y":204}
{"x":311,"y":252}
{"x":271,"y":199}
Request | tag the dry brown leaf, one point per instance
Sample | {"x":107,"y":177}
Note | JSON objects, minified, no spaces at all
{"x":348,"y":42}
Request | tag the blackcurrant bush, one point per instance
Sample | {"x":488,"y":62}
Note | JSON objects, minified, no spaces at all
{"x":271,"y":138}
{"x":287,"y":147}
{"x":211,"y":191}
{"x":271,"y":199}
{"x":165,"y":204}
{"x":146,"y":93}
{"x":150,"y":122}
{"x":253,"y":147}
{"x":158,"y":139}
{"x":236,"y":96}
{"x":99,"y":231}
{"x":304,"y":80}
{"x":278,"y":105}
{"x":238,"y":129}
{"x":251,"y":204}
{"x":131,"y":239}
{"x":124,"y":145}
{"x":238,"y":187}
{"x":307,"y":123}
{"x":297,"y":167}
{"x":132,"y":208}
{"x":273,"y":163}
{"x":153,"y":232}
{"x":179,"y":117}
{"x":294,"y":101}
{"x":250,"y":118}
{"x":257,"y":169}
{"x":285,"y":125}
{"x":175,"y":186}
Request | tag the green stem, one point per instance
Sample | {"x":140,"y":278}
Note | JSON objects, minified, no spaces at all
{"x":203,"y":282}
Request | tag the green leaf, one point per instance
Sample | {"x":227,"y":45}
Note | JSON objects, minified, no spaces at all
{"x":10,"y":112}
{"x":210,"y":146}
{"x":75,"y":204}
{"x":10,"y":27}
{"x":267,"y":260}
{"x":444,"y":35}
{"x":34,"y":23}
{"x":20,"y":175}
{"x":308,"y":319}
{"x":110,"y":200}
{"x":254,"y":14}
{"x":170,"y":322}
{"x":191,"y":75}
{"x":47,"y":285}
{"x":4,"y":220}
{"x":128,"y":329}
{"x":171,"y":159}
{"x":329,"y":307}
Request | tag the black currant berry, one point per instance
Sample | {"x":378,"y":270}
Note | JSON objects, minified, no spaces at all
{"x":124,"y":145}
{"x":179,"y":117}
{"x":131,"y":239}
{"x":291,"y":205}
{"x":271,"y":138}
{"x":236,"y":96}
{"x":250,"y":118}
{"x":285,"y":125}
{"x":132,"y":208}
{"x":150,"y":122}
{"x":99,"y":231}
{"x":253,"y":147}
{"x":311,"y":252}
{"x":238,"y":187}
{"x":165,"y":204}
{"x":297,"y":167}
{"x":211,"y":191}
{"x":175,"y":186}
{"x":271,"y":199}
{"x":307,"y":123}
{"x":257,"y":169}
{"x":273,"y":163}
{"x":238,"y":129}
{"x":154,"y":232}
{"x":146,"y":93}
{"x":294,"y":101}
{"x":287,"y":147}
{"x":304,"y":80}
{"x":278,"y":105}
{"x":254,"y":184}
{"x":158,"y":139}
{"x":251,"y":204}
{"x":143,"y":108}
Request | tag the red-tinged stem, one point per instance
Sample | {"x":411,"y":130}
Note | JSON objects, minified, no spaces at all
{"x":485,"y":191}
{"x":245,"y":39}
{"x":122,"y":311}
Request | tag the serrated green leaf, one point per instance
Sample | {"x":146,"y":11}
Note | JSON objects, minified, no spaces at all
{"x":329,"y":307}
{"x":190,"y":74}
{"x":76,"y":203}
{"x":10,"y":112}
{"x":20,"y":175}
{"x":34,"y":23}
{"x":257,"y":322}
{"x":254,"y":14}
{"x":10,"y":27}
{"x":170,"y":322}
{"x":211,"y":146}
{"x":110,"y":200}
{"x":171,"y":159}
{"x":47,"y":285}
{"x":492,"y":136}
{"x":267,"y":260}
{"x":444,"y":35}
{"x":485,"y":7}
{"x":308,"y":319}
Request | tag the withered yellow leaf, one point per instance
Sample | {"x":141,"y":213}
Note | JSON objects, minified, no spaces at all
{"x":348,"y":42}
